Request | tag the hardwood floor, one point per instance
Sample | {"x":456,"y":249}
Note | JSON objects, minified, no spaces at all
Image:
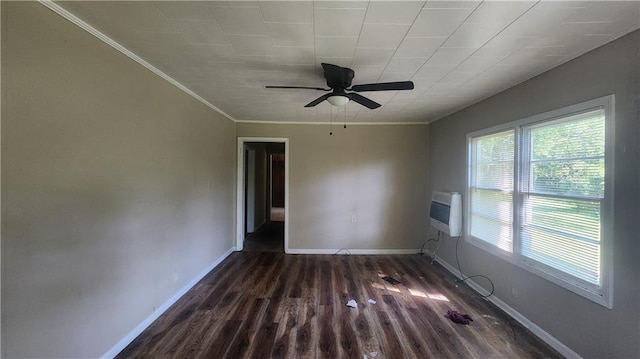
{"x":271,"y":305}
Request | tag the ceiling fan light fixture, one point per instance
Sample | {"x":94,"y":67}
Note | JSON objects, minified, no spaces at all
{"x":338,"y":100}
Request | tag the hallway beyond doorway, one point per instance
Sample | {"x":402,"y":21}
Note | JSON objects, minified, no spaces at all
{"x":267,"y":238}
{"x":262,"y":196}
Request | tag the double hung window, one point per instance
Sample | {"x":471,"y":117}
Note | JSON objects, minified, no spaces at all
{"x":539,"y":195}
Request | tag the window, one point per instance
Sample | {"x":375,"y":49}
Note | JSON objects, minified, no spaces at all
{"x":539,"y":195}
{"x":491,"y":190}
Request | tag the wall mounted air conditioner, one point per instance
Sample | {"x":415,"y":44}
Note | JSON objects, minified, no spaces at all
{"x":446,"y":212}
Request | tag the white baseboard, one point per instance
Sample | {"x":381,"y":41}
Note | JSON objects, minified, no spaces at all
{"x":534,"y":328}
{"x":345,"y":251}
{"x":111,"y":353}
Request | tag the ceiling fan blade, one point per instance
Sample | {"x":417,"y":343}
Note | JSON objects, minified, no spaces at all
{"x":363,"y":101}
{"x":384,"y":86}
{"x":318,"y":100}
{"x":297,"y":87}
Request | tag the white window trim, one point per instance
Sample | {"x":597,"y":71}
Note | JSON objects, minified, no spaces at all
{"x":602,"y":295}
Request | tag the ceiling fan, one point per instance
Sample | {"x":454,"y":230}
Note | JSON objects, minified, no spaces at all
{"x":339,"y":82}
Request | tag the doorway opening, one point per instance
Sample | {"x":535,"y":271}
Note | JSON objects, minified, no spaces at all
{"x":262,"y":201}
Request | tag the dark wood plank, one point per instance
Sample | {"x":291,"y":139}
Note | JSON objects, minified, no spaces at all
{"x":271,"y":305}
{"x":307,"y":334}
{"x":264,"y":341}
{"x":219,"y":346}
{"x":327,"y":346}
{"x":239,"y":346}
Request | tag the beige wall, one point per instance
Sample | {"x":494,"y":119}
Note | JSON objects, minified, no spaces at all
{"x":117,"y":188}
{"x":588,"y":328}
{"x":376,"y":173}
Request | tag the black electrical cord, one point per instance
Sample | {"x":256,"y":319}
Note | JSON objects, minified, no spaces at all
{"x":464,"y":278}
{"x":343,"y":249}
{"x":427,"y":241}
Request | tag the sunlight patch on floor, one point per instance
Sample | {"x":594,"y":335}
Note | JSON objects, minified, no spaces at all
{"x":434,"y":296}
{"x":437,"y":296}
{"x":417,"y":293}
{"x":381,"y":286}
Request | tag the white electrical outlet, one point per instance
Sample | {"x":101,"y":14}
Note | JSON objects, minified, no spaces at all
{"x":514,"y":292}
{"x":354,"y":219}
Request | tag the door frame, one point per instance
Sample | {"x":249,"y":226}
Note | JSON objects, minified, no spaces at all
{"x":240,"y":189}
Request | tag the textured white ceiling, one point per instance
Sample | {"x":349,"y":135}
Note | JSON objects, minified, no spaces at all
{"x":456,"y":52}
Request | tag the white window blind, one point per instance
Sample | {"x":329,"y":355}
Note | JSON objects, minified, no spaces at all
{"x":491,"y":192}
{"x":539,"y":195}
{"x":562,"y":191}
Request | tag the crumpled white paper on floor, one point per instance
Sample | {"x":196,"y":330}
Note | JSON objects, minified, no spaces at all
{"x":352,"y":303}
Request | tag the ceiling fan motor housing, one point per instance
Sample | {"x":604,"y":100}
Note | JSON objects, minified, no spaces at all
{"x":338,"y":77}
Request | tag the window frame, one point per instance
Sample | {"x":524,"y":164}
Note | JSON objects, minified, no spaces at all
{"x":602,"y":294}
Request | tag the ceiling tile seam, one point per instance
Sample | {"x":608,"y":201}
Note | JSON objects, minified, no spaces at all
{"x":168,"y":21}
{"x":395,"y":49}
{"x":353,"y":54}
{"x":580,"y":53}
{"x":505,"y":57}
{"x":336,"y":8}
{"x":291,"y":47}
{"x":334,"y":37}
{"x":585,"y":22}
{"x":454,"y":8}
{"x":425,"y":37}
{"x":403,"y":37}
{"x":373,"y":48}
{"x":208,"y":43}
{"x":433,"y":53}
{"x":232,"y":6}
{"x":451,"y":112}
{"x":227,"y":62}
{"x":544,"y":47}
{"x":478,"y":49}
{"x":247,"y":35}
{"x":213,"y":18}
{"x":390,"y":23}
{"x":288,"y":22}
{"x":130,"y":54}
{"x":273,"y":44}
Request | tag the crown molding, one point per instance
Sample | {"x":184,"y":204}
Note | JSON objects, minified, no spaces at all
{"x":109,"y":41}
{"x":337,"y":124}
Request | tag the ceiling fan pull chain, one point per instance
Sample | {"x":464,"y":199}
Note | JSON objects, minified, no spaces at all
{"x":345,"y":116}
{"x":331,"y":122}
